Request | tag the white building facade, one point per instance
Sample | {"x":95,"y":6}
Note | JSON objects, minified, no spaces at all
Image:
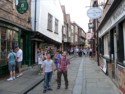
{"x":49,"y":18}
{"x":47,"y":22}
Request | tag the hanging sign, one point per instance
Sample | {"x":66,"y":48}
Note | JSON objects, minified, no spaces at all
{"x":22,"y":6}
{"x":94,"y":13}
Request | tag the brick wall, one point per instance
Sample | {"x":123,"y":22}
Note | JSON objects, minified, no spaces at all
{"x":8,"y":11}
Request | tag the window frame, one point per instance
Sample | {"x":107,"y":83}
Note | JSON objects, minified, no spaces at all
{"x":50,"y":23}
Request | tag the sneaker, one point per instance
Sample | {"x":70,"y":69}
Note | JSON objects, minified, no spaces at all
{"x":50,"y":89}
{"x":10,"y":79}
{"x":44,"y":91}
{"x":14,"y":78}
{"x":20,"y":75}
{"x":58,"y":87}
{"x":66,"y":87}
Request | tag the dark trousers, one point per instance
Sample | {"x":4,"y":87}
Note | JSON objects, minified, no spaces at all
{"x":48,"y":76}
{"x":65,"y":78}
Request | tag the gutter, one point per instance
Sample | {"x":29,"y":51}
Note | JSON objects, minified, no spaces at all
{"x":35,"y":15}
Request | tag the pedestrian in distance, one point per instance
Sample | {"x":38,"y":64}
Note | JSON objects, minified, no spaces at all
{"x":11,"y":64}
{"x":48,"y":70}
{"x":90,"y":52}
{"x":40,"y":61}
{"x":63,"y":69}
{"x":19,"y":59}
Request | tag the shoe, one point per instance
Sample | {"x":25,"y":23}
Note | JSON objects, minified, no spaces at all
{"x":44,"y":91}
{"x":14,"y":78}
{"x":19,"y":75}
{"x":50,"y":89}
{"x":10,"y":79}
{"x":56,"y":80}
{"x":66,"y":87}
{"x":58,"y":87}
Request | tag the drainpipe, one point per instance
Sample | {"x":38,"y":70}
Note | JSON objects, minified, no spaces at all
{"x":95,"y":4}
{"x":97,"y":46}
{"x":35,"y":15}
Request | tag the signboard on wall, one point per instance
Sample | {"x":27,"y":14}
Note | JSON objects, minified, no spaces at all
{"x":89,"y":35}
{"x":22,"y":6}
{"x":94,"y":13}
{"x":103,"y":64}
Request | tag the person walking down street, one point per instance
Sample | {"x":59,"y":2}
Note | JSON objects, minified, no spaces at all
{"x":11,"y":64}
{"x":48,"y":70}
{"x":90,"y":52}
{"x":40,"y":61}
{"x":51,"y":51}
{"x":63,"y":69}
{"x":19,"y":59}
{"x":57,"y":57}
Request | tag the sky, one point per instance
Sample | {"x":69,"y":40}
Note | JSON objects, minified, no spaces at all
{"x":78,"y":11}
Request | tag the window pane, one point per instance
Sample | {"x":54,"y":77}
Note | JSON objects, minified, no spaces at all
{"x":49,"y":22}
{"x":56,"y":25}
{"x":8,"y":39}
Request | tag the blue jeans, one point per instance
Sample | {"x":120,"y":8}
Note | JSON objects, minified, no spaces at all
{"x":48,"y":76}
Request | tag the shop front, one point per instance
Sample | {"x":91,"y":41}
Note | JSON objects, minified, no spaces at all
{"x":11,"y":36}
{"x":42,"y":41}
{"x":112,"y":44}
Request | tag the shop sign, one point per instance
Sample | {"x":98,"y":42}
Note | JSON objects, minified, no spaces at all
{"x":90,"y":25}
{"x":89,"y":35}
{"x":9,"y":26}
{"x":94,"y":13}
{"x":22,"y":6}
{"x":116,"y":16}
{"x":121,"y":78}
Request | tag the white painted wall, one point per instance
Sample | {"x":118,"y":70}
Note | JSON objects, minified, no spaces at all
{"x":43,"y":8}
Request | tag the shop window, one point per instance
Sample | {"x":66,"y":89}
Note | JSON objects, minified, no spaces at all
{"x":69,"y":32}
{"x":76,"y":38}
{"x":106,"y":45}
{"x":8,"y":39}
{"x":120,"y":45}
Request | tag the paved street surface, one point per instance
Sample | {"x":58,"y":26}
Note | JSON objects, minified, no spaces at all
{"x":85,"y":77}
{"x":22,"y":84}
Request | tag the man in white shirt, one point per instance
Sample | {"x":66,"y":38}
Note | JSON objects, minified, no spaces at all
{"x":19,"y":59}
{"x":48,"y":69}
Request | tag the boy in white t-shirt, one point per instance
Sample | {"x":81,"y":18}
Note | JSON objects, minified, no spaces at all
{"x":48,"y":70}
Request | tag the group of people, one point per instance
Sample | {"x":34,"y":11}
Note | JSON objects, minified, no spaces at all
{"x":48,"y":62}
{"x":81,"y":51}
{"x":85,"y":52}
{"x":15,"y":59}
{"x":51,"y":62}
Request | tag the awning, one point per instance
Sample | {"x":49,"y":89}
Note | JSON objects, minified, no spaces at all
{"x":36,"y":39}
{"x":37,"y":36}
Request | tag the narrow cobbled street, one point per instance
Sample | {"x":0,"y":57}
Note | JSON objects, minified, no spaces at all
{"x":85,"y":77}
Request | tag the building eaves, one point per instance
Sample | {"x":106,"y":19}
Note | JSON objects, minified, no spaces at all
{"x":109,"y":13}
